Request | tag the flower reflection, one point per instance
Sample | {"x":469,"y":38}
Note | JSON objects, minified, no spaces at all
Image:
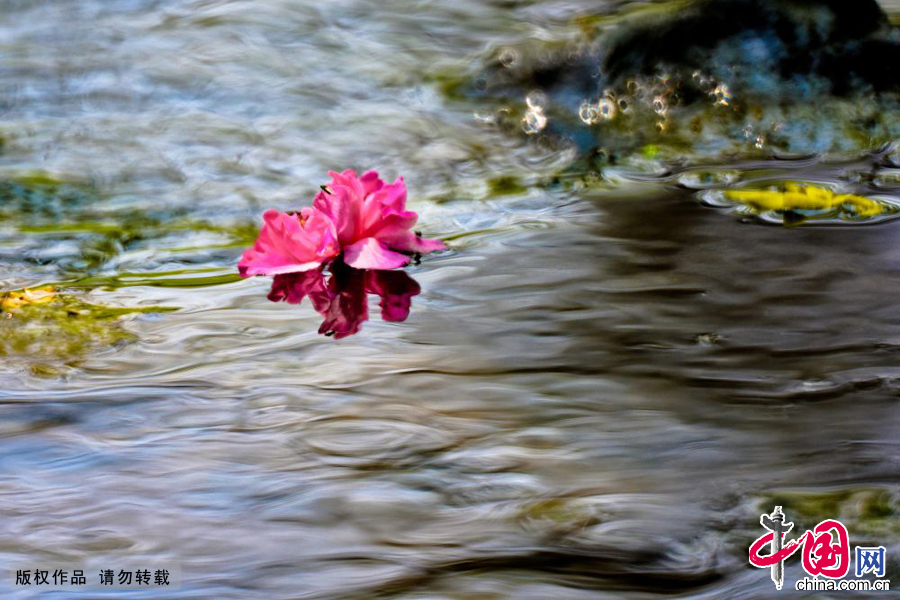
{"x":340,"y":296}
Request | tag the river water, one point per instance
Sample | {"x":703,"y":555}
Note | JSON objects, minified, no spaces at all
{"x":598,"y":389}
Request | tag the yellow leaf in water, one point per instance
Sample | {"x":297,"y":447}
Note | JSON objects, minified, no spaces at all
{"x":759,"y":200}
{"x":805,"y":197}
{"x":864,"y":207}
{"x":13,"y":300}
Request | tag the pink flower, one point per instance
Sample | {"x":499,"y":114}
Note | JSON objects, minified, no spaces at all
{"x":361,"y":219}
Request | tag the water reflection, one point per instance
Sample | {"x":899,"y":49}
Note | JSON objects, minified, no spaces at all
{"x":341,"y":295}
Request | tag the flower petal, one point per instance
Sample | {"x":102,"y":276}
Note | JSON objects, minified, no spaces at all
{"x":369,"y":253}
{"x":285,"y":245}
{"x":407,"y":241}
{"x":393,"y":196}
{"x":371,"y":182}
{"x":342,"y":206}
{"x":380,"y":205}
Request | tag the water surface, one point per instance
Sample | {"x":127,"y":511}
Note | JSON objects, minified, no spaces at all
{"x":597,"y":391}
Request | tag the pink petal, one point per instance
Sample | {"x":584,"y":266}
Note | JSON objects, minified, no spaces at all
{"x":251,"y":267}
{"x":285,"y":245}
{"x":407,"y":241}
{"x":390,"y":224}
{"x":371,"y":182}
{"x":426,"y":245}
{"x":342,"y":207}
{"x":346,"y":177}
{"x":372,"y":254}
{"x":354,"y":186}
{"x":381,"y":204}
{"x":393,"y":196}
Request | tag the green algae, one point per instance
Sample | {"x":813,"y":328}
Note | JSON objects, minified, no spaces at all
{"x":592,"y":24}
{"x":184,"y":278}
{"x":65,"y":209}
{"x":506,"y":186}
{"x":102,"y":238}
{"x":557,"y":516}
{"x":36,"y":194}
{"x":61,"y":328}
{"x":864,"y":511}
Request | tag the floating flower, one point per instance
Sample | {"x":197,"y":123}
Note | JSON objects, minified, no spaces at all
{"x":362,"y":220}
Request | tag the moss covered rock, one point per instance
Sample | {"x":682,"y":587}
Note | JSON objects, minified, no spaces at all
{"x":43,"y":328}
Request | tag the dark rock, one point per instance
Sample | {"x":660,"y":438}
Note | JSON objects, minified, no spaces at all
{"x":847,"y":45}
{"x":711,"y":76}
{"x":776,"y":49}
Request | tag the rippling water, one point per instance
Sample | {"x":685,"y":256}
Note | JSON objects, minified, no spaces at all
{"x":596,"y":393}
